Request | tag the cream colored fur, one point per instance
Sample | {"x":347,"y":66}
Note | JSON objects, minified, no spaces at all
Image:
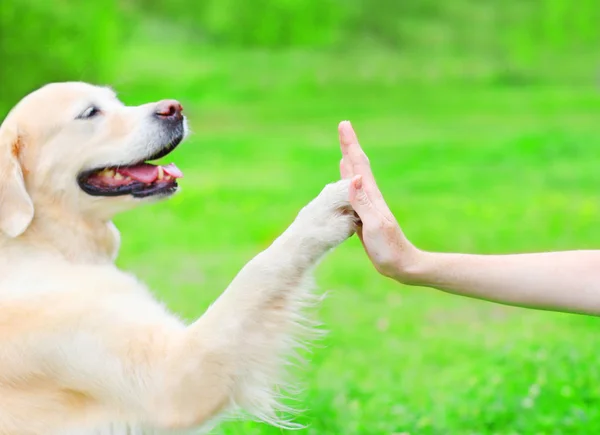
{"x":84,"y":348}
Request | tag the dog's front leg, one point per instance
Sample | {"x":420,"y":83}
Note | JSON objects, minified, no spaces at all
{"x":235,"y":353}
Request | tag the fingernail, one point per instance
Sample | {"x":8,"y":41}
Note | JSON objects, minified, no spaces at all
{"x":357,"y":182}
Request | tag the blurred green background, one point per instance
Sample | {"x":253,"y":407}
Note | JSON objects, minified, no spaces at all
{"x":482,"y":122}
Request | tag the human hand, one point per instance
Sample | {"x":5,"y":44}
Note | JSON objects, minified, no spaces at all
{"x":389,"y":250}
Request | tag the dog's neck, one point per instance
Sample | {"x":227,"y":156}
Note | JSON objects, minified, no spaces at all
{"x":78,"y":239}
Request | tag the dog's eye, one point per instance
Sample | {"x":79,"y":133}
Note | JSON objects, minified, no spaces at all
{"x":90,"y":112}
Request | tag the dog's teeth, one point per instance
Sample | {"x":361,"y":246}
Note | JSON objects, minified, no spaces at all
{"x":109,"y":173}
{"x":168,"y":177}
{"x":118,"y":176}
{"x":161,"y":173}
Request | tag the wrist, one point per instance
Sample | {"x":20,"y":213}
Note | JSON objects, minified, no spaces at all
{"x":415,"y":269}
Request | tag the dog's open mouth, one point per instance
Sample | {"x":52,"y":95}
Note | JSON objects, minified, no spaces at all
{"x":139,"y":180}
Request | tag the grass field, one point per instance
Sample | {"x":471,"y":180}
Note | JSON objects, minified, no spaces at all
{"x":467,"y":165}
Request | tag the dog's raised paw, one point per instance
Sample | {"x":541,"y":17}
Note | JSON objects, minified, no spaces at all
{"x":330,"y":215}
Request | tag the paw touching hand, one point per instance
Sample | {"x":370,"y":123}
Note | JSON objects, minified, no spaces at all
{"x":330,"y":215}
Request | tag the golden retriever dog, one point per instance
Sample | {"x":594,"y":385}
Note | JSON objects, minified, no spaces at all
{"x":84,"y":347}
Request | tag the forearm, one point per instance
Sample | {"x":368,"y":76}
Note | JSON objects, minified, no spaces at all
{"x":560,"y":281}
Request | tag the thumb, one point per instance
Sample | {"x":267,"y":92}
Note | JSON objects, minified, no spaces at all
{"x":358,"y":197}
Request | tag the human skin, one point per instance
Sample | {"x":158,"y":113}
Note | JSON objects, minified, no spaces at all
{"x":567,"y":281}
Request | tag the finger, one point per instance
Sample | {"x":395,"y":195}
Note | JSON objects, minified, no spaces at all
{"x":348,"y":140}
{"x":345,"y":169}
{"x":353,"y":153}
{"x":347,"y":136}
{"x":371,"y":208}
{"x":358,"y":163}
{"x":359,"y":199}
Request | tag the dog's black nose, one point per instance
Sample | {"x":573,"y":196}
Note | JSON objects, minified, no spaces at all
{"x":169,"y":110}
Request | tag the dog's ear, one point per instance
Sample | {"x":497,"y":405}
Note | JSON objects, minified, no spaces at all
{"x":16,"y":206}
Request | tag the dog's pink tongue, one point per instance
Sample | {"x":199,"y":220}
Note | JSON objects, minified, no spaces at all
{"x":144,"y":173}
{"x":147,"y":174}
{"x":173,"y":170}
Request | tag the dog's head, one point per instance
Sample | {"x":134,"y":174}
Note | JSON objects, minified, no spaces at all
{"x":78,"y":146}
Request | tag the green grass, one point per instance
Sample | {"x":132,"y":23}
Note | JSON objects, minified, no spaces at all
{"x":466,"y":165}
